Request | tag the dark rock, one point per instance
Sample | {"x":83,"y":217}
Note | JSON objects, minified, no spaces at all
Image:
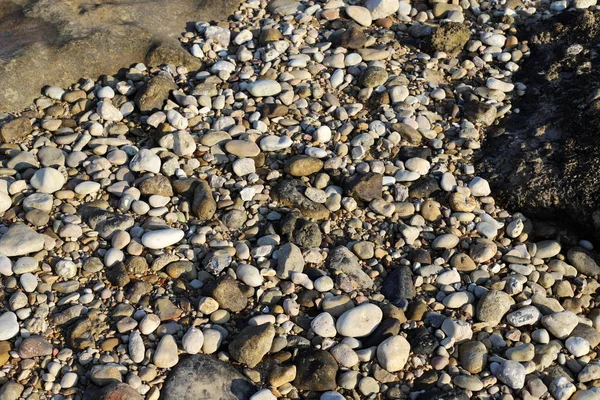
{"x":37,"y":217}
{"x":85,"y":332}
{"x":273,"y":110}
{"x":108,"y":226}
{"x":15,"y":130}
{"x":227,"y":293}
{"x":158,"y":184}
{"x":290,"y":193}
{"x":584,"y":261}
{"x":204,"y":205}
{"x":398,"y":284}
{"x":154,"y":94}
{"x":421,"y":256}
{"x":556,"y":371}
{"x":426,"y":381}
{"x":35,"y":346}
{"x":387,"y":328}
{"x":117,"y":274}
{"x":203,"y":377}
{"x":421,"y":341}
{"x":351,"y":38}
{"x":450,"y":37}
{"x":342,"y":260}
{"x":365,"y":187}
{"x":300,"y":231}
{"x":315,"y":370}
{"x":137,"y":265}
{"x":424,"y":187}
{"x":543,"y":161}
{"x":72,"y":34}
{"x":439,"y":394}
{"x":252,"y":343}
{"x":407,"y":152}
{"x":186,"y":187}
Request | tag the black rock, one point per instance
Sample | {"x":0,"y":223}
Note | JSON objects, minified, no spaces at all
{"x":203,"y":377}
{"x":398,"y":284}
{"x":117,"y":274}
{"x":439,"y":394}
{"x":407,"y":152}
{"x":351,"y":38}
{"x":424,"y":187}
{"x":387,"y":328}
{"x":421,"y":256}
{"x":427,"y":381}
{"x":421,"y":341}
{"x":315,"y":370}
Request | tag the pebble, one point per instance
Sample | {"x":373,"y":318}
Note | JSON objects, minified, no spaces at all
{"x":393,"y":353}
{"x":162,"y":238}
{"x":264,"y":88}
{"x":359,"y":321}
{"x":47,"y":180}
{"x":9,"y":326}
{"x":165,"y":355}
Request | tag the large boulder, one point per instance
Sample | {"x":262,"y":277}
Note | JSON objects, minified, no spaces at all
{"x":544,"y":161}
{"x":56,"y":42}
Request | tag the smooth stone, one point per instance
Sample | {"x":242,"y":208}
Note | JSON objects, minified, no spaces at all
{"x":20,"y":240}
{"x":359,"y":14}
{"x":47,"y":180}
{"x":359,"y":321}
{"x":166,"y":353}
{"x":264,"y":88}
{"x":162,"y":238}
{"x":393,"y":353}
{"x":9,"y":326}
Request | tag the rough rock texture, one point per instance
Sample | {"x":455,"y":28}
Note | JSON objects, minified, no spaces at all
{"x":57,"y":41}
{"x":450,"y":37}
{"x":203,"y":377}
{"x":544,"y":160}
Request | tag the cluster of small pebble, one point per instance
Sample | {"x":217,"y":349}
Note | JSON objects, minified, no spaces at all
{"x":299,"y":219}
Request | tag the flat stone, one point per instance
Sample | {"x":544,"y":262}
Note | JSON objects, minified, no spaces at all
{"x":35,"y":346}
{"x":20,"y":240}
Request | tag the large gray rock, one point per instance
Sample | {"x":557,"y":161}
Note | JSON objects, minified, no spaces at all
{"x":55,"y":42}
{"x":203,"y":377}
